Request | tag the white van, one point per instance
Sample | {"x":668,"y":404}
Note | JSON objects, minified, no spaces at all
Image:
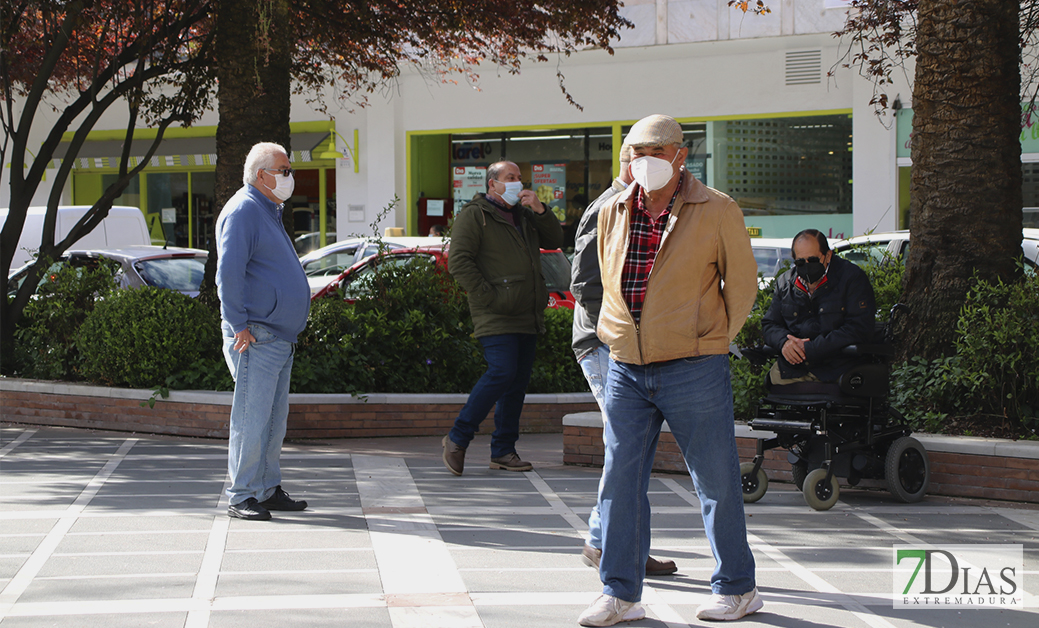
{"x":124,"y":226}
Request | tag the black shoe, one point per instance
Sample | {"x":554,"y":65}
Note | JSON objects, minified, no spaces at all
{"x":280,"y":500}
{"x":249,"y":509}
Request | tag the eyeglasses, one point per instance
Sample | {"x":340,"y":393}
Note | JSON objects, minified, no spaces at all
{"x":801,"y":261}
{"x":285,"y":171}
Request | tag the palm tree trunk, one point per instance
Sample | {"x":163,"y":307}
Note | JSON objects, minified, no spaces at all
{"x":966,"y":181}
{"x":254,"y":55}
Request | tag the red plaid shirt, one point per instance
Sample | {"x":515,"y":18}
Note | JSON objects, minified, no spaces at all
{"x":643,"y":243}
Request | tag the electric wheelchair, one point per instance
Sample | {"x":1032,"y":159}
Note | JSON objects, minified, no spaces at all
{"x":845,"y":429}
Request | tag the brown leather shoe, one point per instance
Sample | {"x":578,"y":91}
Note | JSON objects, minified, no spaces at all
{"x":454,"y":456}
{"x":511,"y":462}
{"x":590,"y":556}
{"x":656,"y":567}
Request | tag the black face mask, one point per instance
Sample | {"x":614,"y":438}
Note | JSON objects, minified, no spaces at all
{"x":810,"y":270}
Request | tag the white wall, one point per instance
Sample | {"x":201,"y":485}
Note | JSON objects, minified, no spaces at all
{"x":686,"y":58}
{"x":875,"y":187}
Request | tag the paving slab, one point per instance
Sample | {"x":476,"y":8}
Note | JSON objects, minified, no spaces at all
{"x":109,"y":530}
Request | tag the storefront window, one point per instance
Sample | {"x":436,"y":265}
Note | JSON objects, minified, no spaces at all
{"x":786,"y":174}
{"x":131,"y":196}
{"x":306,"y":208}
{"x":1030,"y":194}
{"x":567,"y":168}
{"x":203,"y":212}
{"x":168,"y":204}
{"x":787,"y":166}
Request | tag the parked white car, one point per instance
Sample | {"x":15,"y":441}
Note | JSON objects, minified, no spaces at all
{"x":862,"y":249}
{"x":325,"y":264}
{"x":310,"y":242}
{"x":770,"y":254}
{"x":124,"y":226}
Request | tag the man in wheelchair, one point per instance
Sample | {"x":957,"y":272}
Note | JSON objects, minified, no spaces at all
{"x":820,"y":306}
{"x":827,"y":402}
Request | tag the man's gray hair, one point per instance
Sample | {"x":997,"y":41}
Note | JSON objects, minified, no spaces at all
{"x":262,"y":155}
{"x":493,"y":171}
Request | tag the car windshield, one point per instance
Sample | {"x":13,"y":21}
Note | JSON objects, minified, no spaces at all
{"x":769,"y":259}
{"x":183,"y":274}
{"x":332,"y":264}
{"x":556,"y":269}
{"x":865,"y":254}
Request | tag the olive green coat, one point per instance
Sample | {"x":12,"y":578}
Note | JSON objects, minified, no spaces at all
{"x":500,"y":269}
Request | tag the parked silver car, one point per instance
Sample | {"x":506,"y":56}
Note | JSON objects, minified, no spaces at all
{"x":172,"y":268}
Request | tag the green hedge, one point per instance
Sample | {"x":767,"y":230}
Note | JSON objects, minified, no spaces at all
{"x":411,"y":333}
{"x":151,"y":337}
{"x":45,"y":339}
{"x":994,"y":371}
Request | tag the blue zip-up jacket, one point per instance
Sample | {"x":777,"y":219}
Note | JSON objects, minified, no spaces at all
{"x":258,"y":275}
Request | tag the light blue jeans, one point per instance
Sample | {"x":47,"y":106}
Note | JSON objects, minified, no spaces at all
{"x":259,"y":412}
{"x":694,"y":396}
{"x":596,"y":369}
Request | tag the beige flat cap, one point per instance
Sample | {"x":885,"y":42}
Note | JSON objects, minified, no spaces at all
{"x":625,"y":153}
{"x":655,"y":130}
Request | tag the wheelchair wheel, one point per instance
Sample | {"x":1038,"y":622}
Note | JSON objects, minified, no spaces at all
{"x":819,"y":493}
{"x":754,"y":485}
{"x":800,"y":471}
{"x":907,"y":470}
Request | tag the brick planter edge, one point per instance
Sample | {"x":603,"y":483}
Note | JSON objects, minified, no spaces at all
{"x":961,"y":466}
{"x":206,"y":414}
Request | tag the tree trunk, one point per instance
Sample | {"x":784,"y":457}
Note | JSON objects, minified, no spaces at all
{"x":965,"y":207}
{"x":254,"y":53}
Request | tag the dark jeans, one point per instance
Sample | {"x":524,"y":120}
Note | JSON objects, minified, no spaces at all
{"x":510,"y":359}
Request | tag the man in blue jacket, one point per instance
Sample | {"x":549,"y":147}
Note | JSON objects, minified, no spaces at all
{"x":821,"y":305}
{"x":264,"y":302}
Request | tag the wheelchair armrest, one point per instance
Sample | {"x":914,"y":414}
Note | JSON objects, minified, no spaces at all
{"x":864,"y":349}
{"x":759,"y":355}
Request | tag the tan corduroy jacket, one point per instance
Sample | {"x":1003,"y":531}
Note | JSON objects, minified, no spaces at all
{"x":688,"y":311}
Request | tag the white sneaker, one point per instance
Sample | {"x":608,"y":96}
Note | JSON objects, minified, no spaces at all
{"x":608,"y":610}
{"x":729,"y":607}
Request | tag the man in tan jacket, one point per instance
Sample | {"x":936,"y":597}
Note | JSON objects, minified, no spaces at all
{"x":679,"y":279}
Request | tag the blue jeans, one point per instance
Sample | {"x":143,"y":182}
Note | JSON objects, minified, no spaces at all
{"x":596,"y":369}
{"x":259,"y":412}
{"x":694,"y":395}
{"x":510,"y":359}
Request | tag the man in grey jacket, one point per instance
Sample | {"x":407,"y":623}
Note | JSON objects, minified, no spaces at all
{"x":592,"y":354}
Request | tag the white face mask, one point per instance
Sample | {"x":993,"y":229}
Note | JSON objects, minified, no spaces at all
{"x":511,"y":194}
{"x":282,"y":190}
{"x":652,"y":173}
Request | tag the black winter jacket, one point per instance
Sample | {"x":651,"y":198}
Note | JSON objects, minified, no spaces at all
{"x":585,"y":280}
{"x":840,"y":313}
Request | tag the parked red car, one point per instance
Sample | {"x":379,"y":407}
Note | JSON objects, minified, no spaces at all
{"x":351,"y":283}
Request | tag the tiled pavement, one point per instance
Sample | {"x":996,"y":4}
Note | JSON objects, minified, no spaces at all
{"x":111,"y":530}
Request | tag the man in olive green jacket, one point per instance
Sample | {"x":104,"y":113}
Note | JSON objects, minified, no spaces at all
{"x":495,"y":256}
